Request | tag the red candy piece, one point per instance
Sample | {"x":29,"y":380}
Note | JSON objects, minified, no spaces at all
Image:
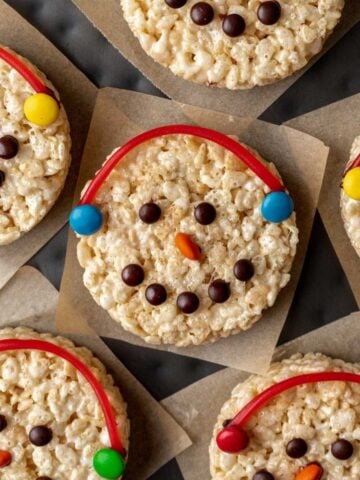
{"x":17,"y":344}
{"x":5,"y":458}
{"x":24,"y":71}
{"x":232,"y":439}
{"x":355,"y":163}
{"x":244,"y":155}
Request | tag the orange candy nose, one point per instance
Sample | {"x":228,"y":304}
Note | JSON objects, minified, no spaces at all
{"x":187,"y":247}
{"x":5,"y":458}
{"x":313,"y":471}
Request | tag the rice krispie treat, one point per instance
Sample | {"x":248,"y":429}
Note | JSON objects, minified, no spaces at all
{"x":34,"y":146}
{"x":301,"y":421}
{"x":61,"y":416}
{"x":350,"y":196}
{"x":188,"y":239}
{"x":232,"y":44}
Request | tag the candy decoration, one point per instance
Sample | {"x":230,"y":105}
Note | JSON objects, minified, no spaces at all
{"x":5,"y":458}
{"x":9,"y":147}
{"x":263,"y":475}
{"x":175,"y":3}
{"x":224,"y":141}
{"x":202,"y":13}
{"x":41,"y":345}
{"x":269,"y":12}
{"x":187,"y":247}
{"x":188,"y":302}
{"x":313,"y":471}
{"x":233,"y":25}
{"x":270,"y":393}
{"x":205,"y":213}
{"x":155,"y":294}
{"x":342,"y":449}
{"x":232,"y":439}
{"x":351,"y":183}
{"x":85,"y":219}
{"x":277,"y":207}
{"x":3,"y":422}
{"x":133,"y":275}
{"x":219,"y":291}
{"x":41,"y":109}
{"x":2,"y":177}
{"x":296,"y":448}
{"x":40,"y":435}
{"x":108,"y":463}
{"x":244,"y":270}
{"x":150,"y":213}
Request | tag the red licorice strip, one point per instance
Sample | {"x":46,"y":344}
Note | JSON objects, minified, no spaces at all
{"x":354,"y":164}
{"x":24,"y":71}
{"x":244,"y":155}
{"x":18,"y":344}
{"x":264,"y":397}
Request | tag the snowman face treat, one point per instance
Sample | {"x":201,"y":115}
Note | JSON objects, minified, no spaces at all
{"x":234,"y":44}
{"x":300,"y":421}
{"x":34,"y":146}
{"x":61,"y":416}
{"x":186,"y":235}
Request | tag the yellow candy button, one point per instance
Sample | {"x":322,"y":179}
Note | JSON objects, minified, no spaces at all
{"x":41,"y":109}
{"x":351,"y":183}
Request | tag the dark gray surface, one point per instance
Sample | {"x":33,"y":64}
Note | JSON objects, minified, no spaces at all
{"x":323,"y":294}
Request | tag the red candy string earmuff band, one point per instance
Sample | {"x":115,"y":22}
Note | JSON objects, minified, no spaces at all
{"x":86,"y":219}
{"x":233,"y":438}
{"x":42,"y":108}
{"x":110,"y":460}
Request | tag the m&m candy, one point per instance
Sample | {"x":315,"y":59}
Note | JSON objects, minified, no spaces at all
{"x":41,"y":109}
{"x":351,"y":183}
{"x":85,"y":219}
{"x":109,"y":463}
{"x":277,"y":207}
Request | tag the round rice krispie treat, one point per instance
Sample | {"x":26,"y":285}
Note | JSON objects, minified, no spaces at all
{"x":52,"y":421}
{"x":232,"y":44}
{"x":350,"y":196}
{"x":187,"y":243}
{"x":287,"y":426}
{"x":34,"y":146}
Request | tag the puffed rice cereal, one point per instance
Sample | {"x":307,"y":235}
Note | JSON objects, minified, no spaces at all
{"x":34,"y":178}
{"x":319,"y":414}
{"x":350,"y":208}
{"x":39,"y":388}
{"x":264,"y":53}
{"x":177,"y":173}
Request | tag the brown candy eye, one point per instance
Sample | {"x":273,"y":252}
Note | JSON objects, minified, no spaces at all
{"x":219,"y":291}
{"x":263,"y":475}
{"x":296,"y":448}
{"x":342,"y":449}
{"x":175,"y":3}
{"x":233,"y":25}
{"x":205,"y":213}
{"x":132,"y":275}
{"x":188,"y":302}
{"x":9,"y":147}
{"x":40,"y":435}
{"x":2,"y":177}
{"x":155,"y":294}
{"x":43,"y":478}
{"x":269,"y":12}
{"x":150,"y":212}
{"x":202,"y":13}
{"x":244,"y":270}
{"x":3,"y":422}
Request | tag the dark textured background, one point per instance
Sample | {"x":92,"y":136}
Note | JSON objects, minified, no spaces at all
{"x":335,"y":76}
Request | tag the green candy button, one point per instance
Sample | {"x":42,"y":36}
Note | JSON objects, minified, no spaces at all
{"x":108,"y":463}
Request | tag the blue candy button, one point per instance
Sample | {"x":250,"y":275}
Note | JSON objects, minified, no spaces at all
{"x":85,"y":219}
{"x":277,"y":207}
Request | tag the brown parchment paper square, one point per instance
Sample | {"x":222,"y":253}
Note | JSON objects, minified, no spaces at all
{"x":301,"y":160}
{"x":30,"y":300}
{"x":337,"y":125}
{"x":78,"y":96}
{"x":196,"y":407}
{"x":107,"y":16}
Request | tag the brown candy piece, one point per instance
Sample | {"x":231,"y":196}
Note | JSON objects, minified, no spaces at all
{"x":155,"y":294}
{"x":3,"y":422}
{"x":269,"y":12}
{"x":205,"y":213}
{"x":233,"y":25}
{"x":263,"y":475}
{"x":9,"y":147}
{"x":188,"y":302}
{"x":132,"y":275}
{"x":150,"y":212}
{"x":342,"y":449}
{"x":40,"y":435}
{"x":244,"y":270}
{"x":219,"y":291}
{"x":202,"y":13}
{"x":296,"y":448}
{"x":175,"y":3}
